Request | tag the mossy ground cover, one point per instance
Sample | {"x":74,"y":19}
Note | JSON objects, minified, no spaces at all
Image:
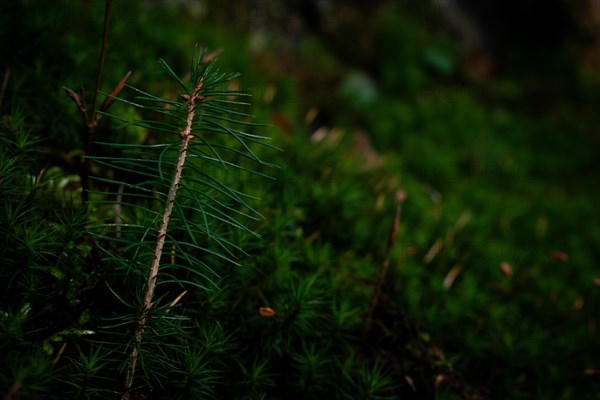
{"x":492,"y":289}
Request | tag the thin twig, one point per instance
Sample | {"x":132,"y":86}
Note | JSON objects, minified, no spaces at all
{"x":14,"y":390}
{"x":400,"y":197}
{"x":101,"y":58}
{"x":59,"y":354}
{"x":186,"y":136}
{"x":118,"y":209}
{"x":174,"y":302}
{"x":92,"y":121}
{"x":4,"y":83}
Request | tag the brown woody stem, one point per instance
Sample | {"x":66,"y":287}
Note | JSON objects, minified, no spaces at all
{"x":92,"y":120}
{"x":186,"y":136}
{"x":392,"y":236}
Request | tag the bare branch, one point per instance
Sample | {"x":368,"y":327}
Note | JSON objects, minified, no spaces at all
{"x":112,"y":97}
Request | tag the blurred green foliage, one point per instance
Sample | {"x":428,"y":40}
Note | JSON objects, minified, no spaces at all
{"x":499,"y":170}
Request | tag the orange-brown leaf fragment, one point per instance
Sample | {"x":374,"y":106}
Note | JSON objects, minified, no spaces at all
{"x":559,"y":256}
{"x":267,"y":312}
{"x":451,"y":276}
{"x":578,"y":303}
{"x":410,"y":382}
{"x":439,"y":379}
{"x":400,"y":196}
{"x":210,"y":56}
{"x":506,"y":269}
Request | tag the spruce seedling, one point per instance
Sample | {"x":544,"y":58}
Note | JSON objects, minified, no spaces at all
{"x":176,"y":208}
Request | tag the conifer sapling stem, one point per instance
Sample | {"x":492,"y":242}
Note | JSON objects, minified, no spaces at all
{"x":186,"y":136}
